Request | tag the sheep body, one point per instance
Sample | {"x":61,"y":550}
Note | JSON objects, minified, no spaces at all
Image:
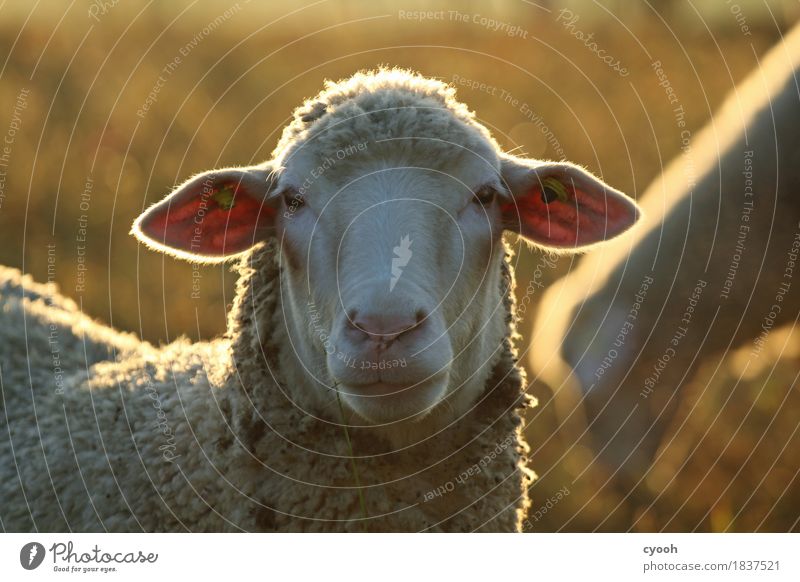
{"x":167,"y":439}
{"x":721,"y":227}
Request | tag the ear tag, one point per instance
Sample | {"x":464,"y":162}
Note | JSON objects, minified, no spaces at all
{"x":224,"y":197}
{"x":553,"y":189}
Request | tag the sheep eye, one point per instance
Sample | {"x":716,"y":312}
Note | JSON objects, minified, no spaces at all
{"x":293,"y":199}
{"x":485,"y":196}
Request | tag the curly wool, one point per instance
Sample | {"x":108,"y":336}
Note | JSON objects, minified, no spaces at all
{"x":206,"y":437}
{"x":386,"y":105}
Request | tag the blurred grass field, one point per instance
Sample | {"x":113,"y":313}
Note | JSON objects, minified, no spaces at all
{"x":88,"y":158}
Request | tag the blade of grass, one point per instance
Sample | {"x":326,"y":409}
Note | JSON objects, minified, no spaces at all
{"x":352,"y":459}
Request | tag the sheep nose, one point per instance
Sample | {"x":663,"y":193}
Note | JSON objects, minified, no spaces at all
{"x":384,"y":328}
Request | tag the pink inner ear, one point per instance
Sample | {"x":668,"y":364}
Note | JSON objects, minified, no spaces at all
{"x":582,"y":219}
{"x":196,"y":222}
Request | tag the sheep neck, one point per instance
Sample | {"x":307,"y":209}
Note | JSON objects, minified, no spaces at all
{"x":266,"y":411}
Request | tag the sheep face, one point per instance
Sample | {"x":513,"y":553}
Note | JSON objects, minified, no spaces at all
{"x":391,"y":247}
{"x":398,"y":254}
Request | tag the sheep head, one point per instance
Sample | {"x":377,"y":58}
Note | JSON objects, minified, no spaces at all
{"x":388,"y":201}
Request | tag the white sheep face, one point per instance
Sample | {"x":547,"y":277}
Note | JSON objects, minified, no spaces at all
{"x":391,"y":247}
{"x":401,"y":261}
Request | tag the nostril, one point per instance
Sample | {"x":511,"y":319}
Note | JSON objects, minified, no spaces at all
{"x":351,"y":317}
{"x":421,"y":316}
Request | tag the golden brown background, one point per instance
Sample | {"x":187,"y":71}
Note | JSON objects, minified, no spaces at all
{"x":89,"y":67}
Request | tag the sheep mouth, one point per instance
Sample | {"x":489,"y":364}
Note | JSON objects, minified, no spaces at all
{"x":384,"y":402}
{"x":381,"y":388}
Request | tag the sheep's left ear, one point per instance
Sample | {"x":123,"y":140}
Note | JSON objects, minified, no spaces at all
{"x":212,"y":216}
{"x":559,"y":205}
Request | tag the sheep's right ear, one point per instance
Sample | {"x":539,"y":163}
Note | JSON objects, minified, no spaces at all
{"x":212,"y":216}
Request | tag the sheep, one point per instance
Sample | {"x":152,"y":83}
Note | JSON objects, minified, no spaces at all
{"x":710,"y":270}
{"x":368,"y":379}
